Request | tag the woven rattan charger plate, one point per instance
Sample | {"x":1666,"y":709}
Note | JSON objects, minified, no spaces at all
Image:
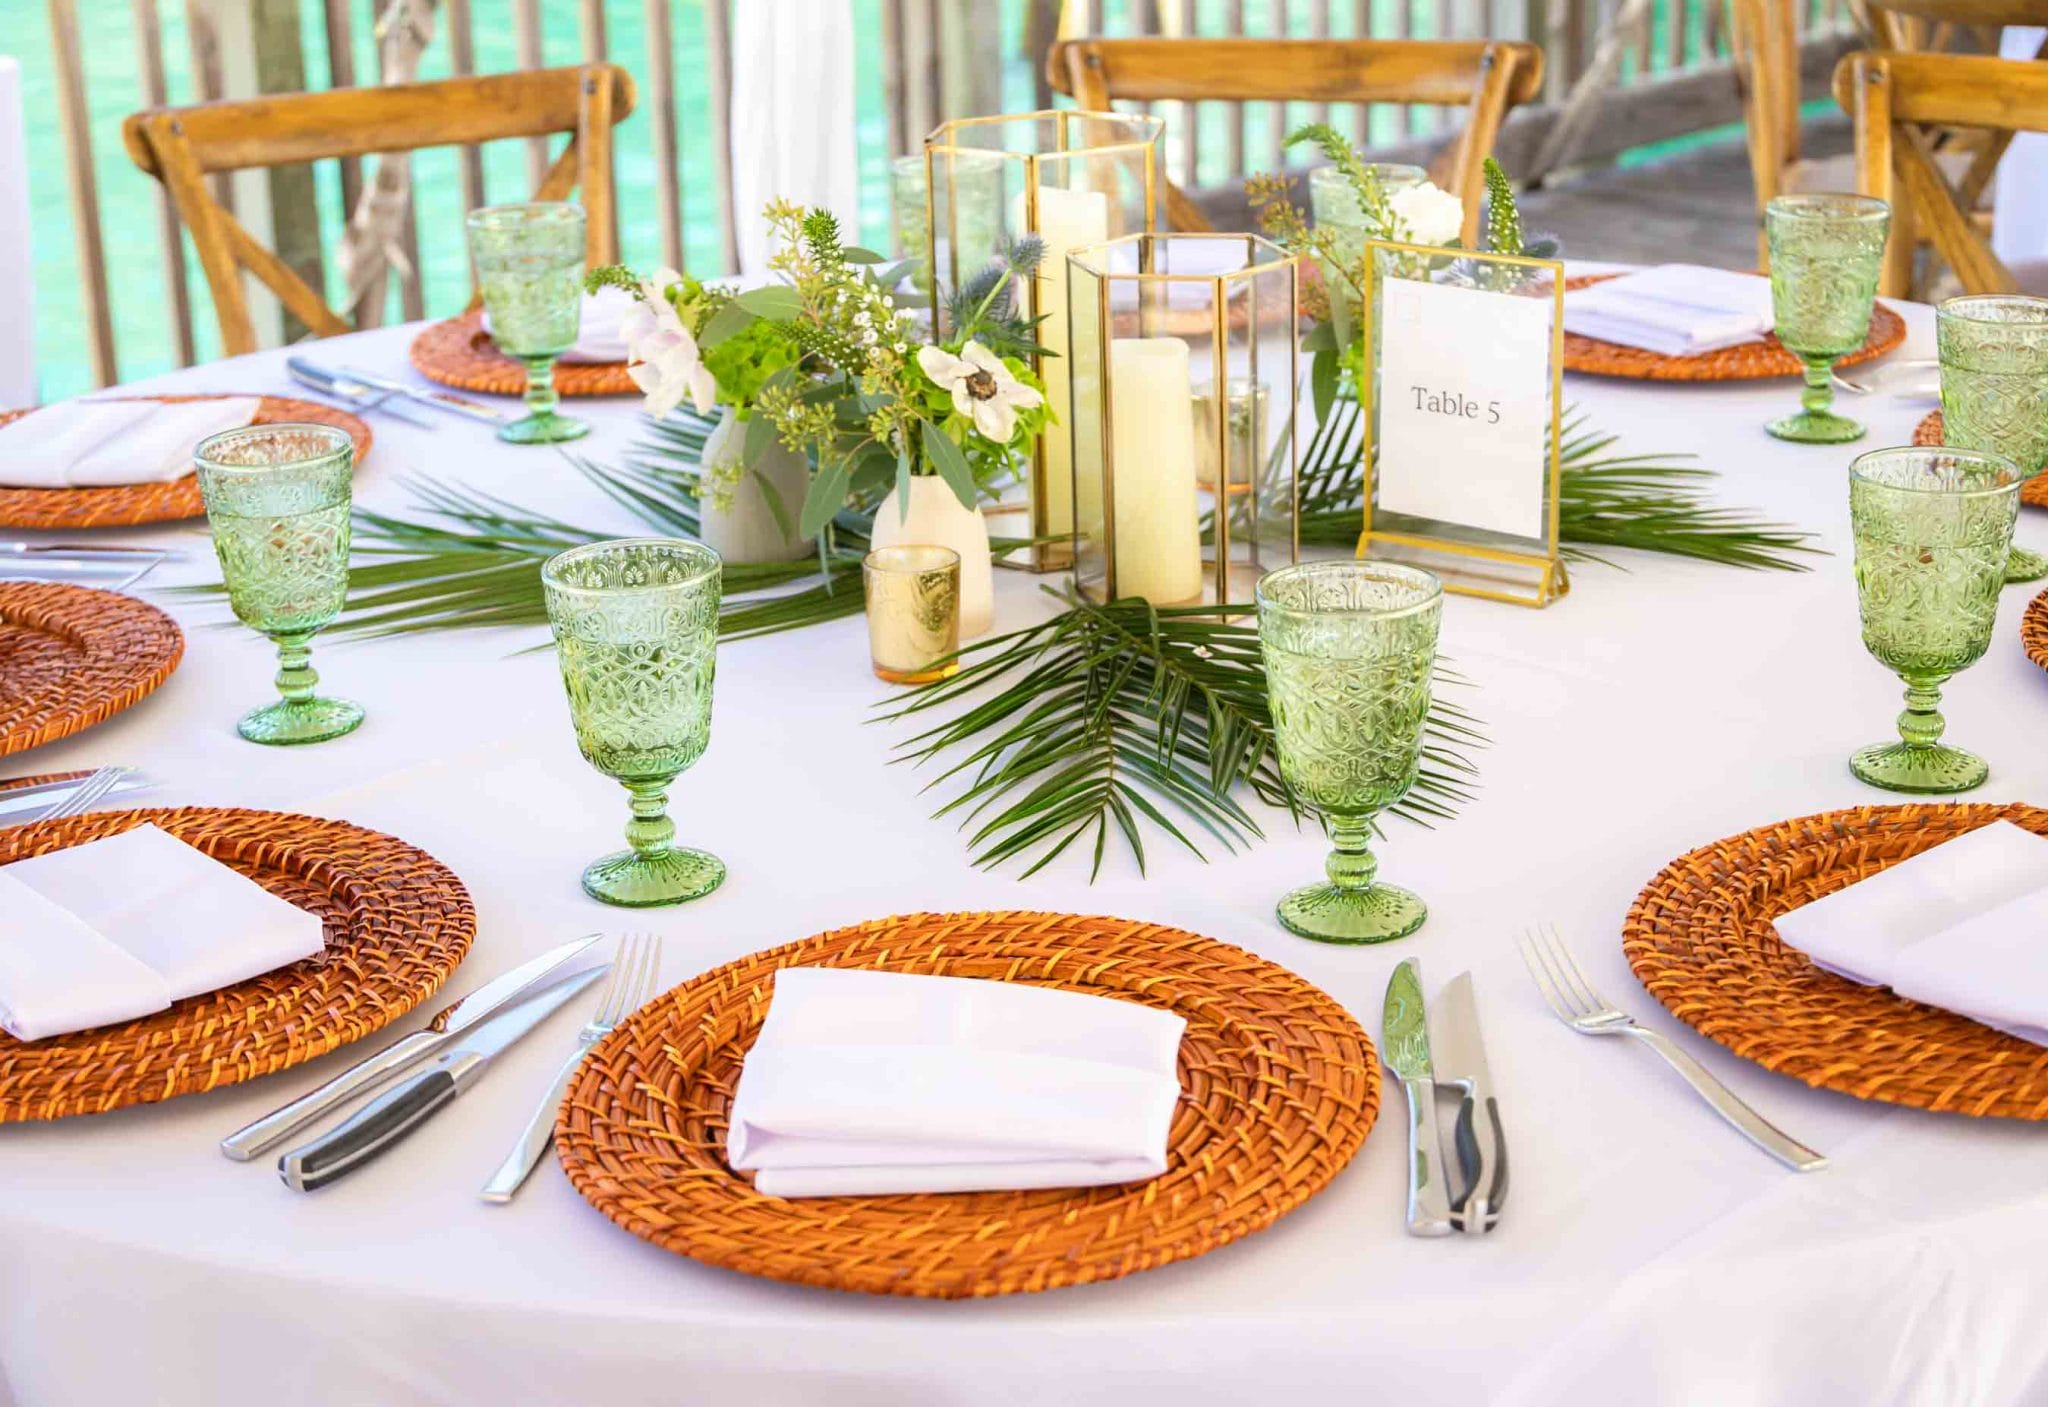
{"x":2034,"y":630}
{"x":1747,"y":361}
{"x":461,"y":354}
{"x":2033,"y":493}
{"x":71,"y":657}
{"x":1278,"y":1088}
{"x":1700,"y":938}
{"x":397,"y":924}
{"x":129,"y":505}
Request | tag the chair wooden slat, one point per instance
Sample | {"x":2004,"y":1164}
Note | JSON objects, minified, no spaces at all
{"x":182,"y":147}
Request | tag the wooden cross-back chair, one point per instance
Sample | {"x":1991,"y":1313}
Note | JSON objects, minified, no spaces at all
{"x":1892,"y":98}
{"x":182,"y":146}
{"x":1485,"y":77}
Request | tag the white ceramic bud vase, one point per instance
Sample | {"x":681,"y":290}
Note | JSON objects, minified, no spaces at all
{"x":937,"y":519}
{"x":748,"y":531}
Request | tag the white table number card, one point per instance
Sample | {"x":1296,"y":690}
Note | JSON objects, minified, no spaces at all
{"x":1461,"y":418}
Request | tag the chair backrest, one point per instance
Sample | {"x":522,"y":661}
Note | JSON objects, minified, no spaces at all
{"x":182,"y":146}
{"x":1486,"y":77}
{"x":1767,"y":60}
{"x":1892,"y":96}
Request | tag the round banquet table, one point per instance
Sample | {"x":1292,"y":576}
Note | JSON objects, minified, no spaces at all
{"x":1648,"y":1254}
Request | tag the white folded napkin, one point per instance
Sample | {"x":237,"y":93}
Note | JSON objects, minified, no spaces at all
{"x":598,"y":338}
{"x":1677,"y":310}
{"x":121,"y":927}
{"x":92,"y":444}
{"x":1959,"y":926}
{"x":870,"y":1083}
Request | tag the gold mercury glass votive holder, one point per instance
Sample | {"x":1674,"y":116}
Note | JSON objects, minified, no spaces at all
{"x":913,"y":596}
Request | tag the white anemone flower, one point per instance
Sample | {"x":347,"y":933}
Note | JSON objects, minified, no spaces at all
{"x":1428,"y":213}
{"x":984,"y":390}
{"x":661,"y":355}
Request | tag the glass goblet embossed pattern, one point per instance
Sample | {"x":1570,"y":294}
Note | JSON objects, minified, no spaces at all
{"x":1932,"y":527}
{"x":1826,"y":251}
{"x":1994,"y":388}
{"x":636,"y":633}
{"x":913,"y":609}
{"x":528,"y":261}
{"x":1349,"y":648}
{"x":277,"y":502}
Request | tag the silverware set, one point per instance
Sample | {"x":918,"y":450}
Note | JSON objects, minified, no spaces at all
{"x":50,"y":801}
{"x":1431,"y":1045}
{"x":1918,"y":377}
{"x":116,"y":568}
{"x":366,"y":391}
{"x":456,"y":1047}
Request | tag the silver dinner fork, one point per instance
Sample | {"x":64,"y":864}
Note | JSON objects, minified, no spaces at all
{"x":72,"y":802}
{"x":1576,"y":1004}
{"x":635,"y":969}
{"x":1892,"y":378}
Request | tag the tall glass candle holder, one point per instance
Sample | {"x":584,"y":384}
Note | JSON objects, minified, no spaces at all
{"x":1073,"y":179}
{"x":1183,"y":425}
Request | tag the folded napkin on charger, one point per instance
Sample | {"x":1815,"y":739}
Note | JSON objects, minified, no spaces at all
{"x":869,"y":1083}
{"x":122,"y":927}
{"x":1678,"y":310}
{"x":598,"y":338}
{"x":1960,"y":926}
{"x":93,"y":444}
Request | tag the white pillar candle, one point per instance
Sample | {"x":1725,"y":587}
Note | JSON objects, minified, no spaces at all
{"x":1067,"y":220}
{"x":1158,"y":542}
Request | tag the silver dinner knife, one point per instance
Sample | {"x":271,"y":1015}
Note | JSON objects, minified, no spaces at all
{"x":349,"y":391}
{"x":1404,"y":1040}
{"x":386,"y":1120}
{"x":23,"y":803}
{"x":438,"y":400}
{"x":1460,"y":1060}
{"x":270,"y":1130}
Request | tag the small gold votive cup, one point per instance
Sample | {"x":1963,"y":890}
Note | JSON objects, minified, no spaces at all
{"x":913,"y":596}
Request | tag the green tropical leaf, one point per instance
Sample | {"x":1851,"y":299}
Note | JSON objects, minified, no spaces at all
{"x":947,"y":458}
{"x":775,"y":301}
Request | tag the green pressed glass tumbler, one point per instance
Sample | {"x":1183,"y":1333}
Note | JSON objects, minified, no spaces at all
{"x":1826,"y":251}
{"x":1349,"y":649}
{"x":1933,"y":527}
{"x":1994,"y":388}
{"x":636,"y":631}
{"x":528,"y":261}
{"x":277,"y":502}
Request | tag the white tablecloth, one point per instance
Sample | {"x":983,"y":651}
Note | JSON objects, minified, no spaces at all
{"x":1649,"y":1255}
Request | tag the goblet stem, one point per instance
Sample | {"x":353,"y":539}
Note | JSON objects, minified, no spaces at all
{"x":1920,"y":762}
{"x":295,"y":674}
{"x":1351,"y":866}
{"x":541,"y":398}
{"x":1922,"y":725}
{"x":650,"y":832}
{"x":1818,"y":397}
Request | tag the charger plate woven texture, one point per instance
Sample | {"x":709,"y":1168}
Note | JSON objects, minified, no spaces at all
{"x":460,"y":353}
{"x":126,"y":505}
{"x":71,"y":657}
{"x":1278,"y":1088}
{"x":1700,"y":938}
{"x":2034,"y":630}
{"x":1747,"y":361}
{"x":2034,"y":492}
{"x":397,"y":924}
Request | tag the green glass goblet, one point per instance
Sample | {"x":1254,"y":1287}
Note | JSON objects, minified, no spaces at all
{"x":1349,"y":648}
{"x":1994,"y":388}
{"x":636,"y":630}
{"x":529,"y":267}
{"x":277,"y":501}
{"x":1826,"y":251}
{"x":1933,"y":527}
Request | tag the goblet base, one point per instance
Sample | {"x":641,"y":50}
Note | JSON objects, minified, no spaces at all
{"x":548,"y":429}
{"x":1816,"y":427}
{"x":636,"y":881}
{"x":1376,"y":913}
{"x":1930,"y":768}
{"x":2025,"y":564}
{"x":291,"y":721}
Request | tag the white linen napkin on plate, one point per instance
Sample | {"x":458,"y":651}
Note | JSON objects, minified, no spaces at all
{"x":1677,"y":310}
{"x":598,"y":338}
{"x":121,"y":927}
{"x":1959,"y":926}
{"x":93,"y":444}
{"x":870,"y":1083}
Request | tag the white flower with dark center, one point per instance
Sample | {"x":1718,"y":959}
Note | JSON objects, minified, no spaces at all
{"x":984,"y":390}
{"x":1428,"y":214}
{"x":661,"y":355}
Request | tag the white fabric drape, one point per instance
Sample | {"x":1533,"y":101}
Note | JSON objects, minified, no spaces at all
{"x":17,"y":279}
{"x":792,"y":116}
{"x":2019,"y":223}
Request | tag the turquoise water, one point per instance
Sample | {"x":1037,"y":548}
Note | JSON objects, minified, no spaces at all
{"x":137,"y":288}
